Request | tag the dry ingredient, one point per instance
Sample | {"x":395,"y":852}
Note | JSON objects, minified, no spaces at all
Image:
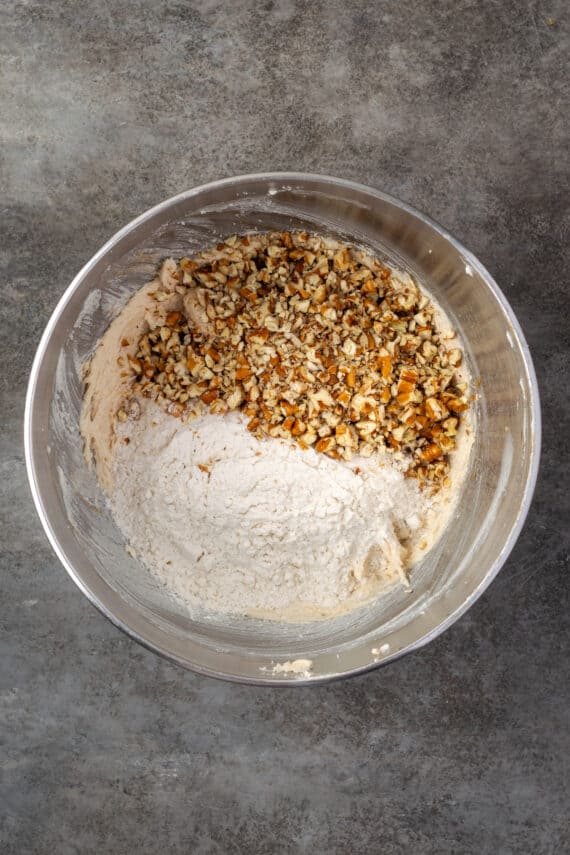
{"x":340,"y":363}
{"x":313,"y":341}
{"x":236,"y":525}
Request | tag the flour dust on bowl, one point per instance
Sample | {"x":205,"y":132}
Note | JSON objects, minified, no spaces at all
{"x":209,"y":637}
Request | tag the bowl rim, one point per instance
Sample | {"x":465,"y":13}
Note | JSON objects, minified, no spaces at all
{"x":535,"y":431}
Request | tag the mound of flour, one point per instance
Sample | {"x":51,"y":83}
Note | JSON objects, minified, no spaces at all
{"x":239,"y":525}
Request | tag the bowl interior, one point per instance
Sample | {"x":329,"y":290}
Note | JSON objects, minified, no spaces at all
{"x":495,"y":495}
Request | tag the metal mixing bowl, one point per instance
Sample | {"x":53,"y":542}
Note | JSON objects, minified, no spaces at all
{"x":495,"y":498}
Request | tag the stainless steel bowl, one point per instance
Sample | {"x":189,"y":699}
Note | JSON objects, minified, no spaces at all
{"x":495,"y":498}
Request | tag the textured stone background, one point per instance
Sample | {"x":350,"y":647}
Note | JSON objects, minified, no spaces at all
{"x":107,"y":108}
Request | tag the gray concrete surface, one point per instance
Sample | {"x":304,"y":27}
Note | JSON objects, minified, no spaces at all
{"x":108,"y":107}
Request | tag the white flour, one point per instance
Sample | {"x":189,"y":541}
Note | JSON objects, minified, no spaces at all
{"x":268,"y":525}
